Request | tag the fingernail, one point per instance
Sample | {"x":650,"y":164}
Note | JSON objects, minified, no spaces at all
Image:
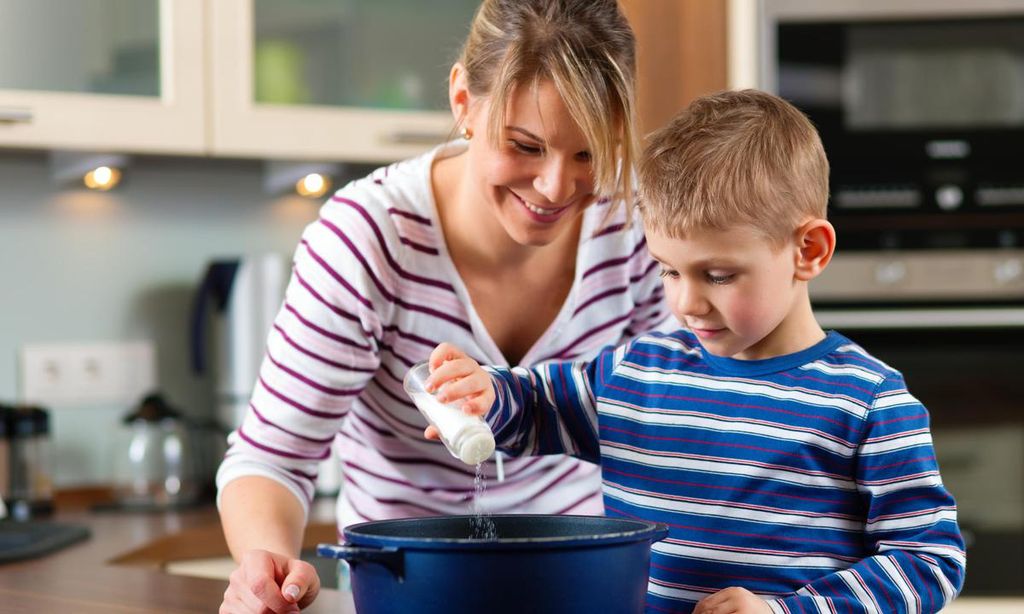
{"x":291,"y":591}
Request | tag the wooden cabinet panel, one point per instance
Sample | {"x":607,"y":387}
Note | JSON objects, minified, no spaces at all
{"x":682,"y":54}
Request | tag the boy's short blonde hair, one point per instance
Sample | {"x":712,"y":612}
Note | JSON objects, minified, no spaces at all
{"x":734,"y":158}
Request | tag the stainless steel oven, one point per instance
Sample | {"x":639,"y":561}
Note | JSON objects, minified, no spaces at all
{"x":971,"y":379}
{"x":920,"y":105}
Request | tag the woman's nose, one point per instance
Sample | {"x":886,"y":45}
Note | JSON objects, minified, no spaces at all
{"x":556,"y":182}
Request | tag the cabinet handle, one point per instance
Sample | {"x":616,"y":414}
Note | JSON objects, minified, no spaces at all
{"x":15,"y":115}
{"x":415,"y":137}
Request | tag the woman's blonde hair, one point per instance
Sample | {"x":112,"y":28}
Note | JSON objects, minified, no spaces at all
{"x":586,"y":49}
{"x":734,"y":158}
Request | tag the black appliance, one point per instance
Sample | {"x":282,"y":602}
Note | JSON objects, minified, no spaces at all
{"x":920,"y":106}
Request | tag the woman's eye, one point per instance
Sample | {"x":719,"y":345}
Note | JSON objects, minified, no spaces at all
{"x":668,"y":273}
{"x":526,"y":149}
{"x":584,"y":156}
{"x":718,"y":280}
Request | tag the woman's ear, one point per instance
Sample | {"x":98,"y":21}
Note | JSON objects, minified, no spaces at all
{"x":815,"y":242}
{"x":458,"y":93}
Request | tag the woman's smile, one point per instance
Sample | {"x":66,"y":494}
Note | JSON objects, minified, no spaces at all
{"x":540,"y":214}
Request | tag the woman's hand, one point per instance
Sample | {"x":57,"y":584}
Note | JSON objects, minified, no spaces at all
{"x":266,"y":582}
{"x":733,"y":600}
{"x":454,"y":376}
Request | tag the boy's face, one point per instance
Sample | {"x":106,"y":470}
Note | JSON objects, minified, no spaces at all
{"x":737,"y":294}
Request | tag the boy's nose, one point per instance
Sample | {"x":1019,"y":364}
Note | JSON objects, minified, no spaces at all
{"x":555,"y":182}
{"x":690,"y":302}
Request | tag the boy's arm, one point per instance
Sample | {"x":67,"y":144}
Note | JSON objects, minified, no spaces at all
{"x":551,"y":408}
{"x":917,"y":560}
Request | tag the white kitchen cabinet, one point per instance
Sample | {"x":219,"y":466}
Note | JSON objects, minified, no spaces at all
{"x":361,"y":80}
{"x":104,"y":75}
{"x":347,"y":80}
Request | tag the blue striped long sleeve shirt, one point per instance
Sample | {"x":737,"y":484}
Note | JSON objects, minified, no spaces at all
{"x":809,"y":479}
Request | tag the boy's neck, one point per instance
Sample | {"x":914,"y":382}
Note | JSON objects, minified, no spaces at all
{"x":798,"y":331}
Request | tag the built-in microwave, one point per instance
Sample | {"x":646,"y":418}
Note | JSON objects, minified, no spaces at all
{"x":920,"y":105}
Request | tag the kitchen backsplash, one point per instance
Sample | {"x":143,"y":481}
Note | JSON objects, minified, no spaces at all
{"x":80,"y":266}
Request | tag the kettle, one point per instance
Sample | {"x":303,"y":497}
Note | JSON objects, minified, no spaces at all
{"x":233,"y":311}
{"x":157,"y":466}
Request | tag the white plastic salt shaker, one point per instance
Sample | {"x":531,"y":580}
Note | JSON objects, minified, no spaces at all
{"x":467,"y":437}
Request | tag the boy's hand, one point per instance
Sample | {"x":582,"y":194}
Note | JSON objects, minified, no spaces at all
{"x":455,"y":377}
{"x":732,"y":600}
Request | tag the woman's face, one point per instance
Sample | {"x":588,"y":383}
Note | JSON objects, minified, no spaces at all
{"x":538,"y":179}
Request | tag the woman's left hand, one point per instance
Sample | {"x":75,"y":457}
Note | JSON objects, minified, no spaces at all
{"x":732,"y":600}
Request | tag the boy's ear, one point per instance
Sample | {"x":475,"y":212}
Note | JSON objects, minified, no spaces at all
{"x":815,"y":242}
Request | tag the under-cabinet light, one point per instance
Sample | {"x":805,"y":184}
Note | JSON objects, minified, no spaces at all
{"x":313,"y":185}
{"x":96,"y":171}
{"x":102,"y":178}
{"x":309,"y":179}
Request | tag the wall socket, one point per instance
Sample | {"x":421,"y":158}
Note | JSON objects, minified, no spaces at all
{"x":70,"y":374}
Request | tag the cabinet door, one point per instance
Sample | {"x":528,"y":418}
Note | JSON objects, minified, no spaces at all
{"x":681,"y":54}
{"x":102,"y":75}
{"x":359,"y":80}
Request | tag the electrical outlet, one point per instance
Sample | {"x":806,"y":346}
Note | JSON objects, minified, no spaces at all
{"x":68,"y":374}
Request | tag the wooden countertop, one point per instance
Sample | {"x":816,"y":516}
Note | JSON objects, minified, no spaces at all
{"x":118,"y":569}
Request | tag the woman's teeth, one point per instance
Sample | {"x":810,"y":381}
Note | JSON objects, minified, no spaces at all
{"x":538,"y":210}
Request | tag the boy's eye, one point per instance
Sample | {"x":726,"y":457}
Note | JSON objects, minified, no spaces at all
{"x":718,"y":280}
{"x":526,"y":149}
{"x":668,"y":273}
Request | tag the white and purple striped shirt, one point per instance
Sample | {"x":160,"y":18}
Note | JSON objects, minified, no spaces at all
{"x":373,"y":291}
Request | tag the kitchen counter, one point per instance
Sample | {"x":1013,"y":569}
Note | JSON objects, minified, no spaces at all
{"x":119,"y":568}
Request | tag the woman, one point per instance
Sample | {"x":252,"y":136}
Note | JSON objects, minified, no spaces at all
{"x":512,"y":242}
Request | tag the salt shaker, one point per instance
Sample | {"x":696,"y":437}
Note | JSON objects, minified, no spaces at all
{"x":467,"y":437}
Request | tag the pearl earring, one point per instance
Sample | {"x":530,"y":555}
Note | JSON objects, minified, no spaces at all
{"x":467,"y":133}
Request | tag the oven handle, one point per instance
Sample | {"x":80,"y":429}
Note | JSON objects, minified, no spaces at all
{"x":961,"y":317}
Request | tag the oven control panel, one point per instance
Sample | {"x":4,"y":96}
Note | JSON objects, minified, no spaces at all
{"x":932,"y":275}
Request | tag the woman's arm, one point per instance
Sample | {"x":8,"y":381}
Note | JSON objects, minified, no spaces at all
{"x":263,"y":524}
{"x":321,"y":352}
{"x":260,"y":513}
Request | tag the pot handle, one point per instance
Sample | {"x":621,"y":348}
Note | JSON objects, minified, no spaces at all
{"x":391,"y":558}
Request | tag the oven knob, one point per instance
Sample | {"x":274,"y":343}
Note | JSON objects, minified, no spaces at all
{"x":949,"y":197}
{"x":890,"y":273}
{"x":1008,"y":271}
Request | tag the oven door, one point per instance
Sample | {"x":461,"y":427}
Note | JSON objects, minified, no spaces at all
{"x":967,"y":367}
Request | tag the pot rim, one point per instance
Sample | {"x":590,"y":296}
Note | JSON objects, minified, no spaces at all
{"x":641,"y":530}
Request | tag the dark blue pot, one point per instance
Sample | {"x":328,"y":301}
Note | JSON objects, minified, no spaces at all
{"x":538,"y":563}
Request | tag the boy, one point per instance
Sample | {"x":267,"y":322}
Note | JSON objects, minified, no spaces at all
{"x":795,"y":471}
